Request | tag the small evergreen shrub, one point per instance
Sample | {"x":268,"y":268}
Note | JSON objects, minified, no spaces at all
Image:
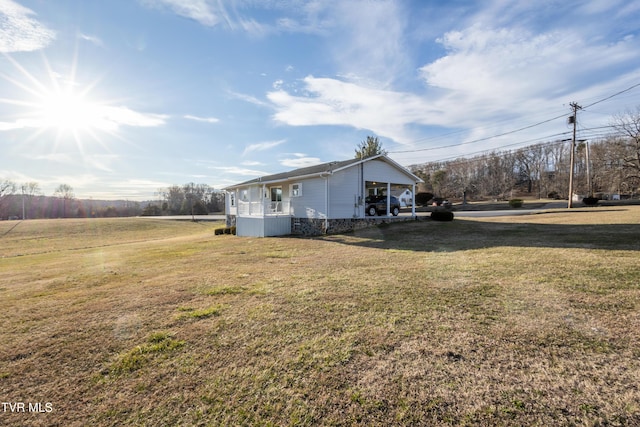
{"x":590,"y":201}
{"x":423,"y":198}
{"x":442,"y":216}
{"x":516,"y":203}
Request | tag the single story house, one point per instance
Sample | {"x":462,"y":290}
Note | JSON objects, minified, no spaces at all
{"x":314,"y":200}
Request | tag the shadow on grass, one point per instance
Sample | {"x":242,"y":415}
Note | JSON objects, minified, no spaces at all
{"x":462,"y":234}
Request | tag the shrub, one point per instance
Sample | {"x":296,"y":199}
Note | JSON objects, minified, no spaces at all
{"x":590,"y":201}
{"x":151,"y":210}
{"x":553,"y":195}
{"x":423,"y":198}
{"x":516,"y":203}
{"x":442,"y":216}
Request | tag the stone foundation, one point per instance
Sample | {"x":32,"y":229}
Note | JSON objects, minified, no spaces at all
{"x":316,"y":227}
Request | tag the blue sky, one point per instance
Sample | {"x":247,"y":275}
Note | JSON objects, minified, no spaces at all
{"x":121,"y":98}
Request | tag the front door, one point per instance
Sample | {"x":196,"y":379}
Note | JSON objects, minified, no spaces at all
{"x":276,"y":199}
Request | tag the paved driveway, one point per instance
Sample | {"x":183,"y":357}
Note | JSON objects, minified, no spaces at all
{"x":189,"y":217}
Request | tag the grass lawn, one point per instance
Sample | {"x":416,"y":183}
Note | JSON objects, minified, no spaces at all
{"x":527,"y":320}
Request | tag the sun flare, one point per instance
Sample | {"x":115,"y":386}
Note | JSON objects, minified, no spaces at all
{"x":68,"y":111}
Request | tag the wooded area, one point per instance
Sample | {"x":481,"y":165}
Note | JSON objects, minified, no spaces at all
{"x":603,"y":168}
{"x":607,"y":166}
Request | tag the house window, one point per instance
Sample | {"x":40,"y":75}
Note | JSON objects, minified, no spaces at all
{"x":296,"y":190}
{"x":244,"y":195}
{"x":232,"y":199}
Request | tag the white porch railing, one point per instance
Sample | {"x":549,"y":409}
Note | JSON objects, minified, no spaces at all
{"x":264,"y":208}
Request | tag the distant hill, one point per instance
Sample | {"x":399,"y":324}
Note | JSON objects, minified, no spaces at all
{"x":36,"y":207}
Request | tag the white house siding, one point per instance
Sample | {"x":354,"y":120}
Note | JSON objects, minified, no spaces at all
{"x":380,"y":171}
{"x":312,"y":202}
{"x":343,"y":193}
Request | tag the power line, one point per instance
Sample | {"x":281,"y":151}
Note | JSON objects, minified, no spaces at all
{"x":476,"y":153}
{"x":480,"y":139}
{"x":611,"y":96}
{"x":509,"y":132}
{"x":587,"y":136}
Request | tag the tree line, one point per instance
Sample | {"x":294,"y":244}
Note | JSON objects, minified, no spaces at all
{"x":604,"y":166}
{"x":187,"y":199}
{"x":27,"y":201}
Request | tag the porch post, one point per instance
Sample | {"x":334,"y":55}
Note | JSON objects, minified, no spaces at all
{"x":326,"y":203}
{"x":388,"y":198}
{"x":413,"y":200}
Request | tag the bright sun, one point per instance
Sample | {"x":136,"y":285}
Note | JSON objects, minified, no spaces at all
{"x":67,"y":111}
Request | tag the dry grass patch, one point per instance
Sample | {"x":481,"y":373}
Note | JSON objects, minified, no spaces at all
{"x":505,"y":321}
{"x":139,"y":356}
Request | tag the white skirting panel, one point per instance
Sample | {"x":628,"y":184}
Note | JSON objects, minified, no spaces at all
{"x":263,"y":226}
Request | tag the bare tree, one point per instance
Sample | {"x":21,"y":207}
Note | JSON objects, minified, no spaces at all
{"x":65,"y":192}
{"x":173,"y":199}
{"x":628,"y":125}
{"x":7,"y":188}
{"x":29,"y":191}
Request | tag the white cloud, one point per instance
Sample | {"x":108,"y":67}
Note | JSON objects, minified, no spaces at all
{"x":328,"y":101}
{"x":138,"y":184}
{"x":54,"y":157}
{"x":248,"y":98}
{"x":110,"y":118}
{"x":198,"y":10}
{"x":512,"y":74}
{"x":211,"y":13}
{"x":234,"y":170}
{"x":92,"y":39}
{"x":101,"y":117}
{"x":18,"y":124}
{"x":504,"y":71}
{"x":369,"y":39}
{"x":202,"y":119}
{"x":262,"y":146}
{"x":19,"y":32}
{"x":300,"y":161}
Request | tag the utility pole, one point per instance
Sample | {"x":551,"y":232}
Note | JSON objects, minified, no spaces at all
{"x":573,"y":119}
{"x":23,"y":185}
{"x":589,"y":187}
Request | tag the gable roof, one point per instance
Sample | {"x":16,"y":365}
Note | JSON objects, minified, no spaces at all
{"x":321,"y":169}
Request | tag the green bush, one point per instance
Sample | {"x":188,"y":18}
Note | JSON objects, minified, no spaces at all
{"x":590,"y":201}
{"x":516,"y":203}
